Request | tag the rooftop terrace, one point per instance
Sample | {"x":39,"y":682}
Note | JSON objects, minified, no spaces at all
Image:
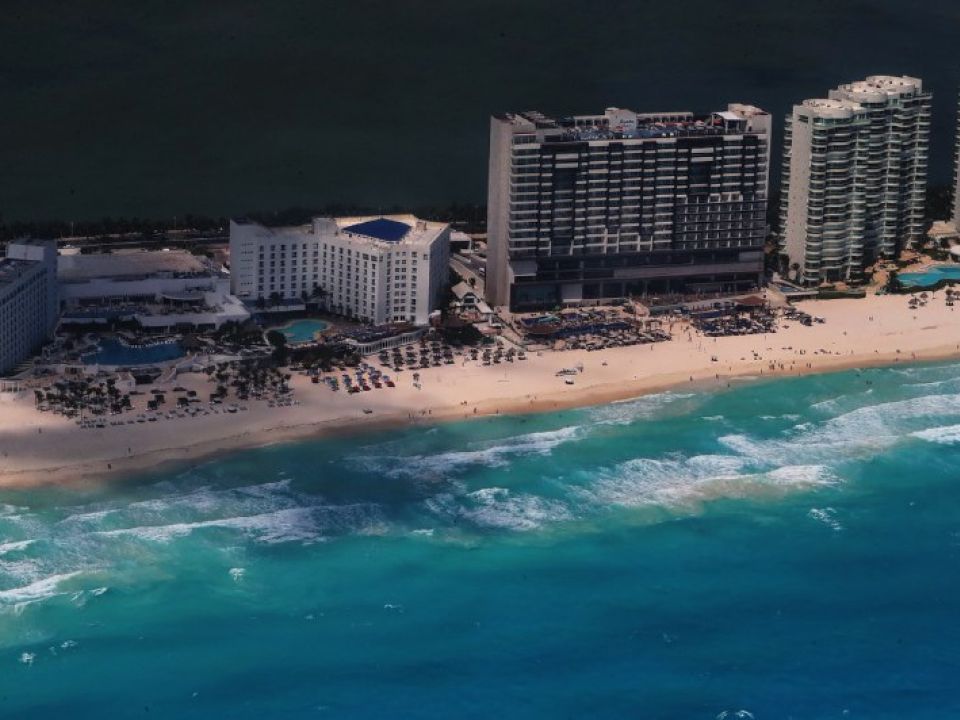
{"x":622,"y":124}
{"x":389,"y":229}
{"x":75,"y":268}
{"x":651,"y":129}
{"x":380,"y":229}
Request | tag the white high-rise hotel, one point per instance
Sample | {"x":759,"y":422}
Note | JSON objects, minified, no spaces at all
{"x":376,"y":269}
{"x":854,"y":177}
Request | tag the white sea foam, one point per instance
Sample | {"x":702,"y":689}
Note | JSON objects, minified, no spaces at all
{"x":15,"y":546}
{"x":829,"y":406}
{"x":666,"y":482}
{"x":952,"y":383}
{"x":946,"y":435}
{"x":855,"y":433}
{"x":41,"y":589}
{"x":827,"y":516}
{"x":625,"y":412}
{"x":90,"y":516}
{"x":495,"y":454}
{"x":802,"y":475}
{"x":206,"y":500}
{"x":266,"y":490}
{"x":650,"y":481}
{"x":499,"y":508}
{"x":269,"y":511}
{"x":735,"y":715}
{"x":298,"y":524}
{"x":22,"y":570}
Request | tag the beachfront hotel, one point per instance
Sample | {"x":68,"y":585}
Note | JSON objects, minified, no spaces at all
{"x":854,"y":177}
{"x":597,"y":207}
{"x":29,"y":305}
{"x":381,"y":269}
{"x":956,"y":177}
{"x":163,"y":291}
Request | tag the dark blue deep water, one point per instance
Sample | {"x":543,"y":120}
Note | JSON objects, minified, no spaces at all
{"x":222,"y":107}
{"x":787,"y":549}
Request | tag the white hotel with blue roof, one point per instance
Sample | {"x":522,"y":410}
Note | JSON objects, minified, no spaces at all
{"x":379,"y":269}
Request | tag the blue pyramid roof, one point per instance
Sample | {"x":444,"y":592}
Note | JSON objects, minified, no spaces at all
{"x":380,"y":229}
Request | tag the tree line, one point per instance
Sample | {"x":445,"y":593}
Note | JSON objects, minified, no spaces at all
{"x":466,"y":217}
{"x":471,"y":218}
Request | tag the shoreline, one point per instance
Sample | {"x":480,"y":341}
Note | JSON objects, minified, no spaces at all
{"x":38,"y":449}
{"x":94,"y":473}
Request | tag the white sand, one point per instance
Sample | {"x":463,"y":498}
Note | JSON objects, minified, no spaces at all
{"x":41,"y":447}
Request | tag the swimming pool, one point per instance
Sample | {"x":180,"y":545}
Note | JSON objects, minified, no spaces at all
{"x":301,"y":331}
{"x":931,"y":276}
{"x":112,"y":352}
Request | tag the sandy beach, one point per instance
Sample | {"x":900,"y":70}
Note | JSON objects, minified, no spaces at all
{"x":37,"y":448}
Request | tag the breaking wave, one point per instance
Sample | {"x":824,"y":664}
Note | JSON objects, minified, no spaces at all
{"x":686,"y":482}
{"x":946,"y":435}
{"x":492,"y":454}
{"x":307,"y":524}
{"x":40,"y":589}
{"x":499,"y":508}
{"x":625,"y":412}
{"x":856,"y":433}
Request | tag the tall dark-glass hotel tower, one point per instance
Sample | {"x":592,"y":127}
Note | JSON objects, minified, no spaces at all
{"x":600,"y":207}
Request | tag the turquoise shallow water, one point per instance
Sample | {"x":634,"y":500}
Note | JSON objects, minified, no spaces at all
{"x":302,"y":331}
{"x":789,"y":549}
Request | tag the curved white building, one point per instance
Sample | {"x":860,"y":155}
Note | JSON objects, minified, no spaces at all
{"x":854,"y":177}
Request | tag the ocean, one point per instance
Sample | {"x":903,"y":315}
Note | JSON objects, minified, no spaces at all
{"x":781,"y":549}
{"x":220,"y":107}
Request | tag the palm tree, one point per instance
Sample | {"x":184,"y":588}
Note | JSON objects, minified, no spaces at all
{"x":319,"y":293}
